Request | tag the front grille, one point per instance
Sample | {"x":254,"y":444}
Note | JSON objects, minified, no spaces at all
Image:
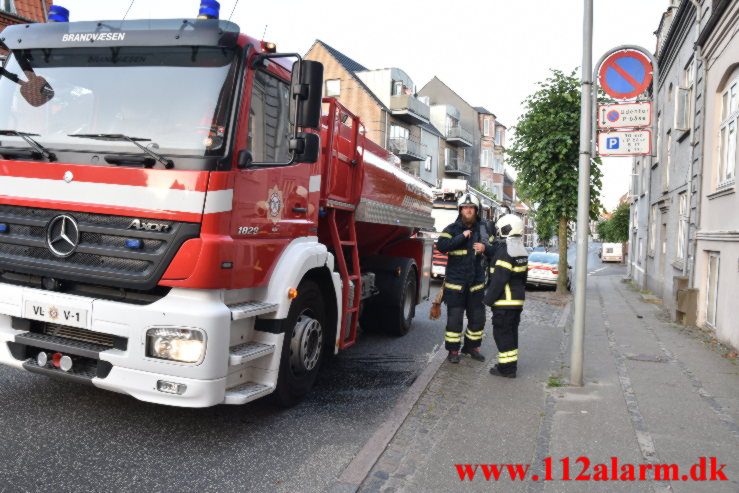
{"x":101,"y":257}
{"x":77,"y":334}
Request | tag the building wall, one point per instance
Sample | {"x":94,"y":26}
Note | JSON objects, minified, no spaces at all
{"x":439,"y":93}
{"x":353,"y":95}
{"x":719,"y":228}
{"x":671,"y":171}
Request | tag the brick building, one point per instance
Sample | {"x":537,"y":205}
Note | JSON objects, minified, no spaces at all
{"x":23,"y":11}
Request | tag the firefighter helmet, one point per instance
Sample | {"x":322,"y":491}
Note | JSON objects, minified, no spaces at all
{"x":468,"y":200}
{"x":509,"y":225}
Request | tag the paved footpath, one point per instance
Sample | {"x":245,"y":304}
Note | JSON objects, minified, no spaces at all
{"x":654,"y":394}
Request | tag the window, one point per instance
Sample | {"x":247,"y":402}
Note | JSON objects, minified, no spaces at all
{"x":683,"y":101}
{"x":427,"y":163}
{"x":728,"y":134}
{"x":333,"y":88}
{"x":712,"y":288}
{"x":8,"y":6}
{"x":269,"y":119}
{"x":666,"y":169}
{"x":658,"y":151}
{"x":498,"y":191}
{"x":498,"y":166}
{"x":486,"y":127}
{"x":398,"y":132}
{"x":653,"y":229}
{"x":486,"y":158}
{"x":682,"y":222}
{"x":499,"y":137}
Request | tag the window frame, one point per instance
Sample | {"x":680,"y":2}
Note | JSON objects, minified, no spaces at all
{"x":727,"y":145}
{"x":486,"y":127}
{"x":712,"y":310}
{"x":326,"y":89}
{"x":11,"y":6}
{"x":682,"y":222}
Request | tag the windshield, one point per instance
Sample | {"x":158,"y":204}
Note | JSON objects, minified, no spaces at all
{"x":177,"y":97}
{"x":443,"y":218}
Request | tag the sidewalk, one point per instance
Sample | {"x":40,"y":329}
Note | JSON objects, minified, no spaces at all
{"x":654,"y":393}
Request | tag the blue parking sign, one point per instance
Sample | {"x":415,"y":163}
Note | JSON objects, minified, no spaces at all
{"x":612,"y":143}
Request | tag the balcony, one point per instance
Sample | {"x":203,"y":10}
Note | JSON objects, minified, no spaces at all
{"x":408,"y":150}
{"x":456,"y":166}
{"x":459,"y":137}
{"x":409,"y":109}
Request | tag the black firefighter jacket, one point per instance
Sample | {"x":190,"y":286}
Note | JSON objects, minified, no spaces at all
{"x":507,"y":282}
{"x":464,"y":268}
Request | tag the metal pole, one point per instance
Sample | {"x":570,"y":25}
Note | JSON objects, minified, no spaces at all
{"x":583,"y":196}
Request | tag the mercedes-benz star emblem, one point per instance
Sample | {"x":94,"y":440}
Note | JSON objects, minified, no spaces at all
{"x":63,"y":235}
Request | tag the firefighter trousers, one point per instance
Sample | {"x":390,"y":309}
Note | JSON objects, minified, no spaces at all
{"x":505,"y":333}
{"x":457,"y":302}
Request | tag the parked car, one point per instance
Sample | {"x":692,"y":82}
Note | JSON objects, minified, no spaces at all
{"x":544,"y":270}
{"x":529,"y":249}
{"x":541,"y":248}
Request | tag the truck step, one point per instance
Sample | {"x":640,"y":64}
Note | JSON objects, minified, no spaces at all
{"x":251,"y":309}
{"x":249,"y":351}
{"x":246,"y":392}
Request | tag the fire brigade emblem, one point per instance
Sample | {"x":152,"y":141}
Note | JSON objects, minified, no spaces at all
{"x":53,"y":313}
{"x":274,"y":204}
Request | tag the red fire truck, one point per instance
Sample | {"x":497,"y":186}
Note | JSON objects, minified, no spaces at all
{"x":184,"y":220}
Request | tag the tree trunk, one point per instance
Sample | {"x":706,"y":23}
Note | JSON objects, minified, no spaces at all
{"x":562,"y":276}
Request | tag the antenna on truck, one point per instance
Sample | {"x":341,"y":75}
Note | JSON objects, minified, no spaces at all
{"x":265,"y":32}
{"x":233,"y":10}
{"x":128,"y":10}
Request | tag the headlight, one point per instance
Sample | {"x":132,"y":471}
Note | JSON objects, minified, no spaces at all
{"x":185,"y":345}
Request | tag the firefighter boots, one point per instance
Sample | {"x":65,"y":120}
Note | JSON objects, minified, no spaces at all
{"x":474,"y":353}
{"x":496,"y":371}
{"x":453,"y":357}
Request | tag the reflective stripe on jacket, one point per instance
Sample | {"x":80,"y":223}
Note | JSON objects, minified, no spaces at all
{"x":507,"y":282}
{"x":464,"y":268}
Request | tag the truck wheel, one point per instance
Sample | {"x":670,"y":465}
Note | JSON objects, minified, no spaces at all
{"x":400,"y":316}
{"x":302,"y":348}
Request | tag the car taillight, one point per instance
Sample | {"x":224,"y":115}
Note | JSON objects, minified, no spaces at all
{"x":555,"y":271}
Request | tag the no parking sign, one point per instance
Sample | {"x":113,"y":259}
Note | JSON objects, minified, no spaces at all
{"x":625,"y":74}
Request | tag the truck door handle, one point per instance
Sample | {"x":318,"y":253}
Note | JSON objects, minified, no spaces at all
{"x":300,"y":209}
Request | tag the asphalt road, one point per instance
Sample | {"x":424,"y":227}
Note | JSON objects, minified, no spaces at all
{"x":60,"y":436}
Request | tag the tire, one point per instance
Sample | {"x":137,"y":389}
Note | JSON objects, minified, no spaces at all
{"x":393,"y":309}
{"x":400,"y":317}
{"x":303,"y":345}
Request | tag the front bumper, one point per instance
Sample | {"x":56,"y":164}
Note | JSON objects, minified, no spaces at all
{"x":121,"y":367}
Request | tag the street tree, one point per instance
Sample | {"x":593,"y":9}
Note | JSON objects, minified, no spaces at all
{"x":545,"y":154}
{"x":616,"y":228}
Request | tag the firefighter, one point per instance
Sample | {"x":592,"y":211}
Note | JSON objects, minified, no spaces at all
{"x":465,"y":242}
{"x":506,"y":291}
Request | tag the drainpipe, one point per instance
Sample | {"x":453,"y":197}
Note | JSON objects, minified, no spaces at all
{"x":46,"y":11}
{"x":693,"y":143}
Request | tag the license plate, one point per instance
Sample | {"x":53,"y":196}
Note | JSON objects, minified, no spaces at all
{"x":537,"y":271}
{"x":58,"y":314}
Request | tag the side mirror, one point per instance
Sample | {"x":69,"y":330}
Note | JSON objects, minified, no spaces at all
{"x":245,"y":159}
{"x":305,"y":147}
{"x":307,"y":87}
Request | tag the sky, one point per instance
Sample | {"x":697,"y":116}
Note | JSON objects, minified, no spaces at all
{"x":491,"y":52}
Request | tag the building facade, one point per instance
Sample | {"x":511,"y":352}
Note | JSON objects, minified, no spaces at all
{"x":384,"y":99}
{"x":717,"y":240}
{"x":23,"y":11}
{"x":684,"y":234}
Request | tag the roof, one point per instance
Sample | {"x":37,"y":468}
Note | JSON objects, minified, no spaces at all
{"x":351,"y":66}
{"x":450,"y":89}
{"x":498,"y":124}
{"x":346,"y":62}
{"x":431,"y":129}
{"x":482,"y":110}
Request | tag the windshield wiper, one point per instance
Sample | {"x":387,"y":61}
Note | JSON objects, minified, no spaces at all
{"x":168,"y":163}
{"x":27,"y":137}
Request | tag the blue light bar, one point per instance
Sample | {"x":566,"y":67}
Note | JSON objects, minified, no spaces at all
{"x":134,"y":244}
{"x":57,"y":13}
{"x":209,"y":9}
{"x":3,"y":228}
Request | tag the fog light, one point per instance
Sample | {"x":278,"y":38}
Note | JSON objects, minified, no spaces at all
{"x":185,"y":345}
{"x":65,"y":363}
{"x":42,"y":359}
{"x":171,"y":387}
{"x":134,"y":243}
